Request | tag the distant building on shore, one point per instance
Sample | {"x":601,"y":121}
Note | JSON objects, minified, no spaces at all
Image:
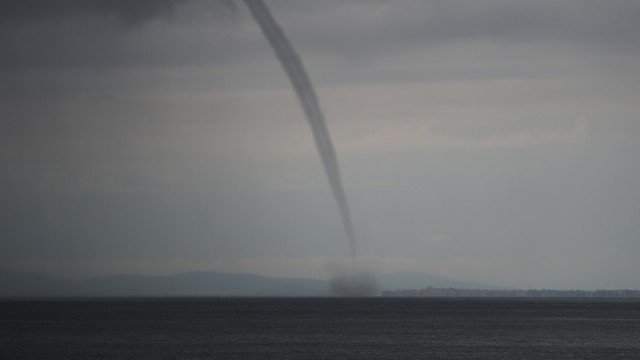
{"x":452,"y":292}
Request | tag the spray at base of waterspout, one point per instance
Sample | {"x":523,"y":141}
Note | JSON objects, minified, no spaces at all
{"x":352,"y":279}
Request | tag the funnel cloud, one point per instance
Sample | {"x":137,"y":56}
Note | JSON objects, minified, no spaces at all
{"x":293,"y":67}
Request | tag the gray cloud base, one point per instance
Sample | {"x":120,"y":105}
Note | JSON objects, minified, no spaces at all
{"x":492,"y":141}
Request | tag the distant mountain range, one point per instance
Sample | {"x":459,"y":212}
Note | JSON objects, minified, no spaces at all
{"x":26,"y":284}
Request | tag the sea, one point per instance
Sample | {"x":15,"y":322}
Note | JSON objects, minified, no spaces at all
{"x":319,"y":328}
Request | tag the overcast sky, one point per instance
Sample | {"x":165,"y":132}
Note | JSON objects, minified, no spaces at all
{"x":486,"y":140}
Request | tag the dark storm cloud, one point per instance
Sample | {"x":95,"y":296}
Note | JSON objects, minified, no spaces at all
{"x":374,"y":26}
{"x":95,"y":32}
{"x":361,"y":29}
{"x":98,"y":32}
{"x":126,"y":11}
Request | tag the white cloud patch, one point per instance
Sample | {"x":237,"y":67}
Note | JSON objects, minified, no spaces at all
{"x":421,"y":137}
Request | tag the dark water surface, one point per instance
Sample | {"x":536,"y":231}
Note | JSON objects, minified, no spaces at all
{"x":319,"y":328}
